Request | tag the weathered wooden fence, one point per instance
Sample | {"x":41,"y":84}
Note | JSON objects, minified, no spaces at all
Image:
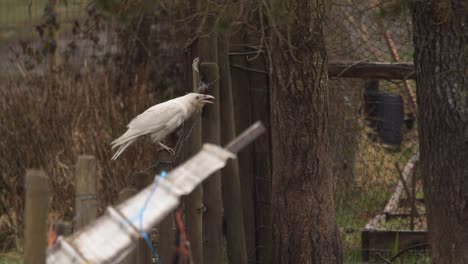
{"x":116,"y":237}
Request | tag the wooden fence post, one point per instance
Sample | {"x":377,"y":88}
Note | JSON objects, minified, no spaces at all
{"x":166,"y":234}
{"x":241,"y":96}
{"x":139,"y":181}
{"x":85,"y":191}
{"x":212,"y":196}
{"x":193,"y":202}
{"x":62,"y":228}
{"x":232,"y":201}
{"x":135,"y":183}
{"x":124,"y":194}
{"x":37,"y":198}
{"x":260,"y":110}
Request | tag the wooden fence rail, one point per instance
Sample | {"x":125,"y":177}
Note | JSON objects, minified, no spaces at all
{"x":372,"y":70}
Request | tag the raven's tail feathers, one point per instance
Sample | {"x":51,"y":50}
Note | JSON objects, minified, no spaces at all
{"x":122,"y":148}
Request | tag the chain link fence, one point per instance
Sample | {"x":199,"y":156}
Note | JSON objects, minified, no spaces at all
{"x":379,"y":199}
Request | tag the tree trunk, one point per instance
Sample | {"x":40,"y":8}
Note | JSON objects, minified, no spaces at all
{"x":304,"y":227}
{"x":441,"y":61}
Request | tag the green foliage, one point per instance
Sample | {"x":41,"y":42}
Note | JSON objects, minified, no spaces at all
{"x":396,"y":246}
{"x":11,"y":258}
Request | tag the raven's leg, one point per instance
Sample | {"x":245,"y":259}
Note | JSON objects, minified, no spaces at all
{"x":168,"y":149}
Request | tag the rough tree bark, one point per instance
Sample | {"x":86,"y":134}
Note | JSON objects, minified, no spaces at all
{"x":441,"y":61}
{"x":304,"y":227}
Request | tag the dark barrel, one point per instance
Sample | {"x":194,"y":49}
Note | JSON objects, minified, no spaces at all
{"x":390,"y":114}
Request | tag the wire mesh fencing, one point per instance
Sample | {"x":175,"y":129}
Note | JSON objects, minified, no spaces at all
{"x":379,"y":198}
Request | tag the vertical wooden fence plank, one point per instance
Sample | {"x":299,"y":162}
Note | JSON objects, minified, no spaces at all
{"x":260,"y":110}
{"x":212,"y":195}
{"x":85,"y":194}
{"x":35,"y":233}
{"x":135,"y":183}
{"x":193,"y":202}
{"x":233,"y":214}
{"x":124,"y":194}
{"x":166,"y":234}
{"x":241,"y":96}
{"x":144,"y":255}
{"x":62,"y":228}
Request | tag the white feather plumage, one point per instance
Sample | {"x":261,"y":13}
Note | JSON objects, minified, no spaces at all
{"x":160,"y":120}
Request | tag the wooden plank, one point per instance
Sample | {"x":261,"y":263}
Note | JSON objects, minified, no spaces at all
{"x":166,"y":229}
{"x":37,"y":198}
{"x":241,"y":96}
{"x":213,"y":242}
{"x":212,"y":197}
{"x":233,"y":214}
{"x":382,"y":242}
{"x":372,"y":70}
{"x":135,"y":183}
{"x":124,"y":194}
{"x":260,"y":110}
{"x":85,"y":191}
{"x":193,"y":202}
{"x":392,"y":203}
{"x":62,"y":228}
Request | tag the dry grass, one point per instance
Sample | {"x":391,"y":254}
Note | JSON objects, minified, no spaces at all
{"x":46,"y":122}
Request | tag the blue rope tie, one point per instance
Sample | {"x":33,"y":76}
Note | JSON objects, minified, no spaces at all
{"x":141,"y":211}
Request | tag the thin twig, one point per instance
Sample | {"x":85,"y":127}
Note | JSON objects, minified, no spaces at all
{"x":407,"y":249}
{"x":350,"y":66}
{"x":241,"y":53}
{"x":402,"y":179}
{"x":384,"y":259}
{"x":182,"y":139}
{"x":247,"y":68}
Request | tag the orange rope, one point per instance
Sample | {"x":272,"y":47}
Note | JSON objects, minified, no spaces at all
{"x":183,"y":245}
{"x":51,"y":236}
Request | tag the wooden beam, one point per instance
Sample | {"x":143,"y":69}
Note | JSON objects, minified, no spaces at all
{"x":372,"y":70}
{"x":86,"y":191}
{"x":37,"y":197}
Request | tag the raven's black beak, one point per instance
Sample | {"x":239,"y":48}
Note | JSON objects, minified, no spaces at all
{"x":206,"y":99}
